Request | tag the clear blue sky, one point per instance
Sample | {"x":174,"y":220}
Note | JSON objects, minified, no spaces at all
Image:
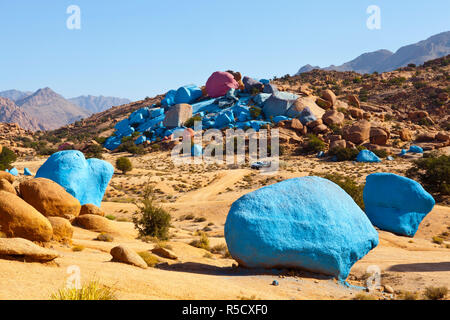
{"x":139,"y":48}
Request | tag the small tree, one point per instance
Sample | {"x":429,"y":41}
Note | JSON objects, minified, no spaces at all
{"x":151,"y":220}
{"x":124,"y":164}
{"x":7,"y":157}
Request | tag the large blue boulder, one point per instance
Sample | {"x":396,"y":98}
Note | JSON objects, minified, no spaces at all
{"x":84,"y":179}
{"x":188,"y":94}
{"x":395,"y":203}
{"x":112,"y":143}
{"x":260,"y":98}
{"x":169,"y":99}
{"x":415,"y":149}
{"x":367,"y":156}
{"x":224,"y":119}
{"x":307,"y":223}
{"x":278,"y":104}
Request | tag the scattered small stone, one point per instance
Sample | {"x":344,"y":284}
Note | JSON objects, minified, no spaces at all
{"x":275,"y":283}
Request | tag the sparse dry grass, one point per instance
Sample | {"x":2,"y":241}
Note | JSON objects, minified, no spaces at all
{"x":90,"y":291}
{"x":150,"y":259}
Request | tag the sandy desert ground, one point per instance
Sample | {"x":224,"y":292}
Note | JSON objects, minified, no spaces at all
{"x":206,"y":193}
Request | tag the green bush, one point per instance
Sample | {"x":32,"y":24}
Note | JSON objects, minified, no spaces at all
{"x":380,"y":153}
{"x":344,"y":154}
{"x":314,"y":144}
{"x":202,"y":242}
{"x":354,"y":189}
{"x":436,"y":293}
{"x":7,"y":157}
{"x":190,"y":122}
{"x":124,"y":164}
{"x":255,"y":112}
{"x":433,"y":172}
{"x":130,"y":147}
{"x":151,"y":220}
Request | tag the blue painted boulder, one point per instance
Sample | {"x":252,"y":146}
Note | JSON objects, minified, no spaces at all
{"x":278,"y":104}
{"x":27,"y":172}
{"x":14,"y":172}
{"x":415,"y":149}
{"x":367,"y":156}
{"x":84,"y":179}
{"x":395,"y":203}
{"x":307,"y":223}
{"x":140,"y":140}
{"x":188,"y":94}
{"x":169,"y":99}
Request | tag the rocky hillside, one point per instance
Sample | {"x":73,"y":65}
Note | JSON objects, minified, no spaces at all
{"x":11,"y":113}
{"x":434,"y":47}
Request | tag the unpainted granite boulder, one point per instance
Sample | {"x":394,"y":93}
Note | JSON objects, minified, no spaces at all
{"x":19,"y":219}
{"x":49,"y":198}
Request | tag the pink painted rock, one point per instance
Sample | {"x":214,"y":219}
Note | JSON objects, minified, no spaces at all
{"x":219,"y":83}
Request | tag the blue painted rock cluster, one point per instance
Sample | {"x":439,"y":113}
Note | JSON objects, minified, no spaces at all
{"x":308,"y":223}
{"x":84,"y":179}
{"x":238,"y":108}
{"x":367,"y":156}
{"x":396,"y":204}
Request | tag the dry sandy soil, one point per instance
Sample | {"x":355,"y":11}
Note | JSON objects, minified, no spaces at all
{"x":207,"y":192}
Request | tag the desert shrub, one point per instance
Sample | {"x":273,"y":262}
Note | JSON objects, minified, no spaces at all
{"x":255,"y":112}
{"x":433,"y":172}
{"x":131,"y":147}
{"x":110,"y":217}
{"x":336,"y":129}
{"x":314,"y":144}
{"x":436,"y":293}
{"x":190,"y":122}
{"x":78,"y":248}
{"x":151,"y":220}
{"x":7,"y":157}
{"x":344,"y":154}
{"x":397,"y":81}
{"x":437,"y":240}
{"x":105,"y":237}
{"x":363,"y":296}
{"x":150,"y":259}
{"x":90,"y":291}
{"x":124,"y":164}
{"x":407,"y":295}
{"x":221,"y":249}
{"x":94,"y":151}
{"x":380,"y":153}
{"x":354,"y":189}
{"x":202,"y":242}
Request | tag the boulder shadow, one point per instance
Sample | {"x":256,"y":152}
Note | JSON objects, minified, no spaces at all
{"x":421,"y":267}
{"x":207,"y":269}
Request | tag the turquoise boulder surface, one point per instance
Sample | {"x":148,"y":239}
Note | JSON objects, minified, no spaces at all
{"x":27,"y":172}
{"x":307,"y":223}
{"x":395,"y":203}
{"x":367,"y":156}
{"x":84,"y":179}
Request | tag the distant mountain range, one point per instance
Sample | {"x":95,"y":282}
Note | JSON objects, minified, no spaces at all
{"x":98,"y":104}
{"x":47,"y":110}
{"x":434,"y":47}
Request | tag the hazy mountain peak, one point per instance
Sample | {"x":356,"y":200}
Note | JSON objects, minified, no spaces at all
{"x":384,"y":60}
